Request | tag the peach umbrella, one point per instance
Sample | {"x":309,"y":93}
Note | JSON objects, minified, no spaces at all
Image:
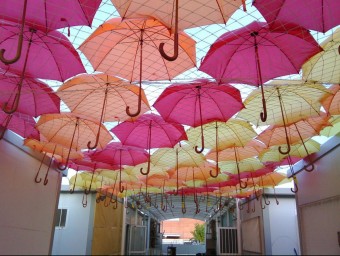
{"x":331,"y":102}
{"x":128,"y":48}
{"x":101,"y":97}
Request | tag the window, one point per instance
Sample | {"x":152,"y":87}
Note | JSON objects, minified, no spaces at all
{"x":61,"y":218}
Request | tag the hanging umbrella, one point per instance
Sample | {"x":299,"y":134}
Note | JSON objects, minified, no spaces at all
{"x":267,"y":52}
{"x":72,"y":131}
{"x":177,"y":157}
{"x":46,"y":56}
{"x":333,"y":129}
{"x":295,"y":132}
{"x":251,"y":149}
{"x":21,"y":124}
{"x":101,"y":97}
{"x":313,"y":14}
{"x":46,"y":16}
{"x":115,"y":153}
{"x":221,"y":135}
{"x":179,"y":15}
{"x":128,"y":48}
{"x":323,"y":67}
{"x":331,"y":102}
{"x":36,"y":97}
{"x":198,"y":103}
{"x":289,"y":101}
{"x":149,"y":131}
{"x":296,"y":153}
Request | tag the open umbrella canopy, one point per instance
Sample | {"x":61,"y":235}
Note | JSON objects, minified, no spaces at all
{"x":333,"y":129}
{"x":323,"y":67}
{"x":313,"y":14}
{"x":46,"y":56}
{"x":296,"y":99}
{"x":101,"y":96}
{"x":36,"y":97}
{"x":331,"y":102}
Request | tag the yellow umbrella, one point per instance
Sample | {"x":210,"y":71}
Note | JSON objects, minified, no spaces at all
{"x":333,"y":129}
{"x":331,"y":103}
{"x":324,"y":66}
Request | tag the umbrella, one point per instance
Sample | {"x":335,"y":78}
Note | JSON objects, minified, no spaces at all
{"x":47,"y":56}
{"x":127,"y":48}
{"x":21,"y":124}
{"x":313,"y":14}
{"x":176,"y":157}
{"x":198,"y":103}
{"x":268,"y":52}
{"x":101,"y":97}
{"x":289,"y":101}
{"x":331,"y":102}
{"x":46,"y":16}
{"x":115,"y":153}
{"x":149,"y":131}
{"x":251,"y":149}
{"x":323,"y":67}
{"x":36,"y":98}
{"x":293,"y":133}
{"x":179,"y":15}
{"x":221,"y":135}
{"x":333,"y":129}
{"x":72,"y":131}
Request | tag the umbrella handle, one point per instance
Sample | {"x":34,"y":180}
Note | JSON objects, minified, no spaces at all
{"x":263,"y":114}
{"x":216,"y":174}
{"x":284,"y":152}
{"x":161,"y":46}
{"x":20,"y":40}
{"x":121,"y":188}
{"x":139,"y":104}
{"x":36,"y":176}
{"x":296,"y":189}
{"x":147,"y":171}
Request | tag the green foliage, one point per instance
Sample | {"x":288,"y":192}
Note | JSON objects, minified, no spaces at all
{"x":198,"y":233}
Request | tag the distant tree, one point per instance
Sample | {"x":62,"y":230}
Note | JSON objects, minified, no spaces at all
{"x":198,"y":233}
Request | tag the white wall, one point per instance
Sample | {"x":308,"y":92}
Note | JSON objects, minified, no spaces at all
{"x":281,"y":223}
{"x":318,"y":201}
{"x":76,"y":237}
{"x":27,"y":208}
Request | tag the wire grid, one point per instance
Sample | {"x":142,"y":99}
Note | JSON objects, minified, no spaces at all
{"x":204,"y":37}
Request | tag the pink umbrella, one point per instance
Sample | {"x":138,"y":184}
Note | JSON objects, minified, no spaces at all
{"x":46,"y":16}
{"x":117,"y":154}
{"x":36,"y":97}
{"x":256,"y":53}
{"x":22,"y":124}
{"x":198,"y":103}
{"x":149,"y":131}
{"x":312,"y":14}
{"x":47,"y":56}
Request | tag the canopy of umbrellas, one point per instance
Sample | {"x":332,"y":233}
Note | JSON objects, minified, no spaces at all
{"x":200,"y":136}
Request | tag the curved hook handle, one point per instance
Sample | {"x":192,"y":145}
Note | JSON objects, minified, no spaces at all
{"x":139,"y":103}
{"x":20,"y":40}
{"x":115,"y":205}
{"x":284,"y":152}
{"x":97,"y":140}
{"x":262,"y":206}
{"x":84,"y":200}
{"x":121,"y":188}
{"x":161,"y":46}
{"x":265,"y":200}
{"x":198,"y":151}
{"x":296,"y":188}
{"x":148,"y":169}
{"x":240,"y":206}
{"x":15,"y":103}
{"x":253,"y":209}
{"x":263,"y":114}
{"x":311,"y":169}
{"x":41,"y":163}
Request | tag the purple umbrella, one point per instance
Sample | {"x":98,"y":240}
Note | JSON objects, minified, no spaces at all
{"x":46,"y":16}
{"x":47,"y":56}
{"x":319,"y":15}
{"x":257,"y":53}
{"x":149,"y":131}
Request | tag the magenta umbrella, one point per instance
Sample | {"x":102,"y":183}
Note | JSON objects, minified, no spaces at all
{"x":257,"y":53}
{"x":47,"y":56}
{"x":199,"y":102}
{"x":36,"y":97}
{"x":319,"y":15}
{"x":149,"y":131}
{"x":46,"y":16}
{"x":117,"y":154}
{"x":22,"y":124}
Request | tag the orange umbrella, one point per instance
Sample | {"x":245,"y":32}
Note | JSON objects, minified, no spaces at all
{"x":128,"y":48}
{"x":331,"y":102}
{"x":72,"y":131}
{"x":179,"y":15}
{"x":101,"y":97}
